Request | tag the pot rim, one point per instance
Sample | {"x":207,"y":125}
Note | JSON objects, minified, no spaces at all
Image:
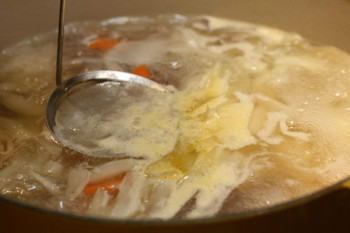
{"x":174,"y":222}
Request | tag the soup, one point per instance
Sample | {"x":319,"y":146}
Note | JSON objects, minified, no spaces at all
{"x":257,"y":117}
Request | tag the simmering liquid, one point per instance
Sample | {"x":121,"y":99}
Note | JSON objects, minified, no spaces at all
{"x":258,"y":117}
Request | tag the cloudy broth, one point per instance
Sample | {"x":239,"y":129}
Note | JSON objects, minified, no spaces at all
{"x":257,"y":117}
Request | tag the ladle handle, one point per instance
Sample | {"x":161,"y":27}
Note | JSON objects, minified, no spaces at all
{"x":60,"y":43}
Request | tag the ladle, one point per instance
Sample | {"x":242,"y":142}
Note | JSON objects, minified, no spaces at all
{"x":95,"y":87}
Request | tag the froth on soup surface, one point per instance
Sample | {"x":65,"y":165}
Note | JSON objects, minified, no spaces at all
{"x":258,"y":117}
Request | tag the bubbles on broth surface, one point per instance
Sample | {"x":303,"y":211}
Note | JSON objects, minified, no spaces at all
{"x":258,"y":117}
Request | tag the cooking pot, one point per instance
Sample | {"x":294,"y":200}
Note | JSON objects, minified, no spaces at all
{"x":324,"y":21}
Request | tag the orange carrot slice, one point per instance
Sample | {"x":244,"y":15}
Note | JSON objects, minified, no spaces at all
{"x":111,"y":185}
{"x":104,"y":44}
{"x":141,"y":71}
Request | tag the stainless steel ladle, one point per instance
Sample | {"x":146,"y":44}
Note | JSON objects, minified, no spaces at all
{"x":101,"y":78}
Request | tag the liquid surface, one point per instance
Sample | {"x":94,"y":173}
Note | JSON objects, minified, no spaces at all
{"x":258,"y":117}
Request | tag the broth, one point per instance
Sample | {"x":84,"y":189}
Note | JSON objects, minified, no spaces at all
{"x":258,"y":117}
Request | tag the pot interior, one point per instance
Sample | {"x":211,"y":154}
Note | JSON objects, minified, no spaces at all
{"x":324,"y":21}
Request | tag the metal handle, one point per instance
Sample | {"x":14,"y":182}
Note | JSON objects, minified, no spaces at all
{"x":60,"y":43}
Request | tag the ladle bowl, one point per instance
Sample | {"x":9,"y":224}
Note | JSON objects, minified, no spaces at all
{"x":92,"y":77}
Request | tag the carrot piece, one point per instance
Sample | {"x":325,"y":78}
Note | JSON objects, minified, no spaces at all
{"x":111,"y":185}
{"x":141,"y":71}
{"x":104,"y":44}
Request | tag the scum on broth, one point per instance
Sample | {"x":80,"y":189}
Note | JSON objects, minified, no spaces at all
{"x":260,"y":117}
